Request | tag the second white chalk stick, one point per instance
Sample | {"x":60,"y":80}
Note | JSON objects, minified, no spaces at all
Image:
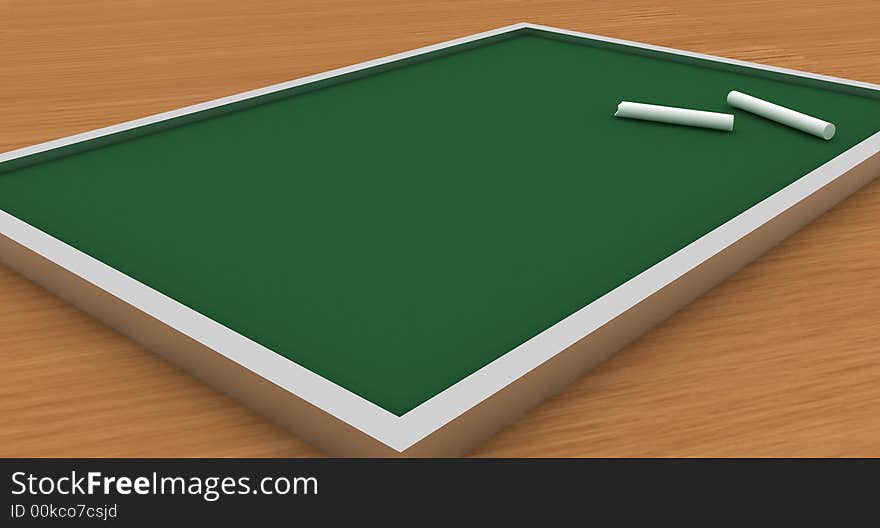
{"x":674,"y":115}
{"x":781,"y":114}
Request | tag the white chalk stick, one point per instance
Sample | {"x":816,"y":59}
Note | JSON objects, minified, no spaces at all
{"x":674,"y":115}
{"x":781,"y":114}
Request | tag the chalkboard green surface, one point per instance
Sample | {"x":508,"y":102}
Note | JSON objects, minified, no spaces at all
{"x":396,"y":231}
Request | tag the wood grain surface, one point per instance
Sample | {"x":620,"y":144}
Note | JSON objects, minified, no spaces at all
{"x":782,"y":359}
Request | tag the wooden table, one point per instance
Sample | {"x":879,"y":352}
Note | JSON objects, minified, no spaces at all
{"x":782,"y":359}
